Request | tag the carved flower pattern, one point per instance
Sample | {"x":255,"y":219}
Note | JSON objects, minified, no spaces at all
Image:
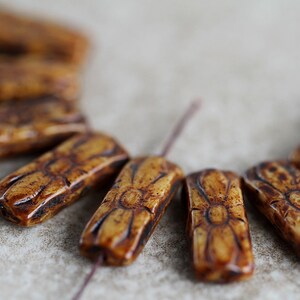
{"x":131,"y":209}
{"x":218,"y":226}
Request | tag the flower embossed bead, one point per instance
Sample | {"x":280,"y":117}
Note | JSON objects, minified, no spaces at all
{"x":22,"y":35}
{"x":295,"y":157}
{"x":274,"y":188}
{"x":27,"y":126}
{"x":23,"y":79}
{"x":55,"y":180}
{"x":217,"y":226}
{"x":131,"y":210}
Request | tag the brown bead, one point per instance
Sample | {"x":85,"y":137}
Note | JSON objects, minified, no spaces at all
{"x":55,"y":180}
{"x":22,"y":79}
{"x":21,"y":35}
{"x":295,"y":157}
{"x":131,"y":210}
{"x":274,"y":188}
{"x":217,"y":226}
{"x":27,"y":126}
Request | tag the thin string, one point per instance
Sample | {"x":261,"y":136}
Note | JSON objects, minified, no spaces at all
{"x":88,"y":278}
{"x":192,"y":109}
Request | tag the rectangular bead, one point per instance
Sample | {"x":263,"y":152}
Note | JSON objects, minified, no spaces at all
{"x":27,"y":126}
{"x":217,"y":226}
{"x":131,"y":210}
{"x":274,"y":188}
{"x":23,"y":79}
{"x":21,"y":35}
{"x":42,"y":188}
{"x":295,"y":157}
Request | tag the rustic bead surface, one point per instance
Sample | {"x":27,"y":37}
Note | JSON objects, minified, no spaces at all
{"x":217,"y":226}
{"x":23,"y":35}
{"x":295,"y":157}
{"x":27,"y":126}
{"x":25,"y":79}
{"x":274,"y":188}
{"x":42,"y":188}
{"x":131,"y":210}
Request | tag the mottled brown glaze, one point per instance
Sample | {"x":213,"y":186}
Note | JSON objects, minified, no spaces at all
{"x":217,"y":226}
{"x":22,"y":79}
{"x":274,"y":188}
{"x":295,"y":157}
{"x":55,"y":180}
{"x":131,"y":210}
{"x":21,"y":35}
{"x":32,"y":125}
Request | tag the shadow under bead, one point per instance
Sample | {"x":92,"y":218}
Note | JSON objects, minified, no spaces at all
{"x":217,"y":226}
{"x":39,"y":190}
{"x":274,"y":188}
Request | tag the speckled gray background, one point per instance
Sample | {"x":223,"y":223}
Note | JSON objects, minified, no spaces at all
{"x":149,"y":59}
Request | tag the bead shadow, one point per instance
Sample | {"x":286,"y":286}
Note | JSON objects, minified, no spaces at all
{"x":277,"y":248}
{"x":180,"y":258}
{"x":76,"y":217}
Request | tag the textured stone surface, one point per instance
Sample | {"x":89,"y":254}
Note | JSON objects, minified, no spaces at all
{"x":149,"y":59}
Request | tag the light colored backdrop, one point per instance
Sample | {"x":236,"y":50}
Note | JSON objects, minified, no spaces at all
{"x":149,"y":59}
